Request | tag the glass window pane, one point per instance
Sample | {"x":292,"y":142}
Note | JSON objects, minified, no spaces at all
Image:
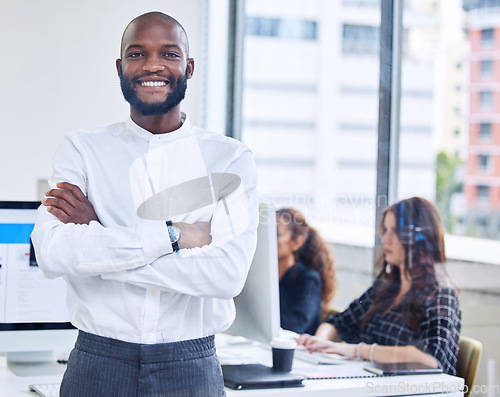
{"x":484,"y":131}
{"x":483,"y":162}
{"x":281,"y":28}
{"x":486,"y":68}
{"x":483,"y":193}
{"x":487,"y":37}
{"x":485,"y":100}
{"x":310,"y":114}
{"x":360,"y":39}
{"x":456,"y":164}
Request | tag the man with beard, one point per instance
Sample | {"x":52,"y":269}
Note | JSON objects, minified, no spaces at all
{"x":152,"y":223}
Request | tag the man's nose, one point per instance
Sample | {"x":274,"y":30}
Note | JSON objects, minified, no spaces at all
{"x":153,"y":65}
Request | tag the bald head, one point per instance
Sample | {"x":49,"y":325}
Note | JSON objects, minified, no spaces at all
{"x":150,"y":17}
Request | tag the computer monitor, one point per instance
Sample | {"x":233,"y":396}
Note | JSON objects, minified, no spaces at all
{"x":258,"y":306}
{"x":34,"y":322}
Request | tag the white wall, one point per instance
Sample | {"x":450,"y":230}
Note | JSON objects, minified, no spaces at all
{"x":58,"y":74}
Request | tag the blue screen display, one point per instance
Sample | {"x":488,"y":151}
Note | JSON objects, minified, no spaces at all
{"x":15,"y":233}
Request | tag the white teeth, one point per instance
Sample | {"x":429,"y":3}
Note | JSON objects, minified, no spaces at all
{"x":153,"y":83}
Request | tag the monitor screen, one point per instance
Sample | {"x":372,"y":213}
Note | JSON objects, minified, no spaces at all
{"x":258,"y":306}
{"x":33,"y":315}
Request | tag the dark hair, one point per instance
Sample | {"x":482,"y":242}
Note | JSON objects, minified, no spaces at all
{"x":420,"y":231}
{"x":315,"y":252}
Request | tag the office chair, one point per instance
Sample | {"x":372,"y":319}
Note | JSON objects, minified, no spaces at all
{"x":468,"y":361}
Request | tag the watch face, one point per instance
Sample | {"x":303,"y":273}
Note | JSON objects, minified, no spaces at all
{"x":174,"y":233}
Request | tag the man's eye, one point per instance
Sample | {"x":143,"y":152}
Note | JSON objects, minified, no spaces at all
{"x":171,"y":55}
{"x":135,"y":55}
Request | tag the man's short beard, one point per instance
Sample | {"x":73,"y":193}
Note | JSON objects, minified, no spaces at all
{"x":149,"y":109}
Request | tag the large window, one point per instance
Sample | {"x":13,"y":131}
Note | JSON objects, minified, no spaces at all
{"x":457,"y":171}
{"x":310,"y":114}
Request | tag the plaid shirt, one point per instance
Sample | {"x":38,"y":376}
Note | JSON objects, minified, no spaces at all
{"x":438,"y":332}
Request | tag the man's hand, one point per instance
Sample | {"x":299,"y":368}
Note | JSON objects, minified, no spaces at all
{"x":194,"y":235}
{"x":69,"y":204}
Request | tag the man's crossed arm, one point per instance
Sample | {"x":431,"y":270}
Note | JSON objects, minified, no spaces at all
{"x":68,"y":204}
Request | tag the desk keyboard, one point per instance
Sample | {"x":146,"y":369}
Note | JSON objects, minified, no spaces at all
{"x":46,"y":389}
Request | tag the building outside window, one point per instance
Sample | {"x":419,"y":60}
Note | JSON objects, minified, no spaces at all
{"x":485,"y":132}
{"x":486,"y":68}
{"x":487,"y":37}
{"x":486,"y":100}
{"x":483,"y":193}
{"x":360,"y":39}
{"x":282,"y":28}
{"x":483,"y":163}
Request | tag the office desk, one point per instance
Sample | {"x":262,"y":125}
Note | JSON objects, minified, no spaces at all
{"x":415,"y":385}
{"x":412,"y":385}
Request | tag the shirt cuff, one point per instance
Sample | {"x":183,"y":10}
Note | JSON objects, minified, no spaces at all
{"x":155,"y":240}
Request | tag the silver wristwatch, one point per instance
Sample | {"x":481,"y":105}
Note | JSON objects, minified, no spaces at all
{"x":175,"y":235}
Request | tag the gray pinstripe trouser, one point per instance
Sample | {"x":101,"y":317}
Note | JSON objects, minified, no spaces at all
{"x":104,"y":367}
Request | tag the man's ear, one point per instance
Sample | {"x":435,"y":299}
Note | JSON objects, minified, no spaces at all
{"x":190,"y":67}
{"x":118,"y":66}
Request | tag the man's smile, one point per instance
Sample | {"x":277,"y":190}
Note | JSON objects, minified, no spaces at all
{"x":153,"y":83}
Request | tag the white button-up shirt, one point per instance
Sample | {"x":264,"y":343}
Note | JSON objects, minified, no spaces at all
{"x":123,"y":279}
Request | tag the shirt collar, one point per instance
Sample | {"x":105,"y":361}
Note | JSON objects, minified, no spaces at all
{"x":182,"y":130}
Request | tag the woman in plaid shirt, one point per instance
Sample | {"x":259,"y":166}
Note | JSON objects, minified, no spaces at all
{"x":411,"y":313}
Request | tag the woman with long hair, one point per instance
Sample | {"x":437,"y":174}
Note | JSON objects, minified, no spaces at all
{"x":306,"y":272}
{"x":411,"y":313}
